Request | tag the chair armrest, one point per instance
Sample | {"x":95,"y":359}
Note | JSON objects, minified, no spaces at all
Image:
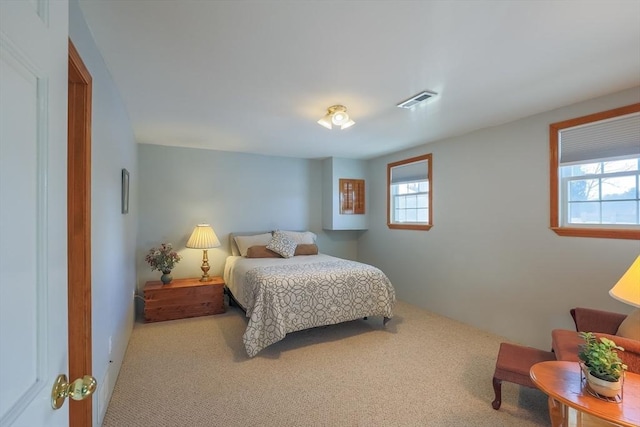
{"x":631,"y":354}
{"x":591,"y":320}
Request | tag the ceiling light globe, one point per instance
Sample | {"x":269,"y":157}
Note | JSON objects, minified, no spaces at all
{"x":339,"y":118}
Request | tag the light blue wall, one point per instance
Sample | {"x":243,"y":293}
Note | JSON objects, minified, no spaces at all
{"x":490,"y":259}
{"x":181,"y":187}
{"x":112,"y":233}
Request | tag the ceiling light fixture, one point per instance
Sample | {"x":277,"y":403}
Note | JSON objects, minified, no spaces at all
{"x":336,"y":115}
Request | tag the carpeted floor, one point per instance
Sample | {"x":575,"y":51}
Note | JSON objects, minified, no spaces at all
{"x":419,"y":370}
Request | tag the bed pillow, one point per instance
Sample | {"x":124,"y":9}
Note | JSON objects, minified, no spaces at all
{"x":301,"y":237}
{"x":306,"y":249}
{"x":245,"y":242}
{"x":282,"y":244}
{"x":261,"y":251}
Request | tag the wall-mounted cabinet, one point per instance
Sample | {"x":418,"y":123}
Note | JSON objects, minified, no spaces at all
{"x":344,"y":198}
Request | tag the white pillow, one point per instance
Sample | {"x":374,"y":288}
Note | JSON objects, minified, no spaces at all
{"x":245,"y":242}
{"x":300,"y":237}
{"x":282,"y":244}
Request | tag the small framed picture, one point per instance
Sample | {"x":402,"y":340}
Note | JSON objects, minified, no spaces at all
{"x":125,"y":191}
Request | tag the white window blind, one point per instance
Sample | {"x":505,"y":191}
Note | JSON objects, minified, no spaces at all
{"x":411,"y":172}
{"x":617,"y":137}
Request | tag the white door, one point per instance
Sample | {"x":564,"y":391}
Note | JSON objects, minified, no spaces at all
{"x":33,"y":210}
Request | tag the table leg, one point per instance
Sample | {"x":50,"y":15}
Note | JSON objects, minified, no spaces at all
{"x":557,"y":413}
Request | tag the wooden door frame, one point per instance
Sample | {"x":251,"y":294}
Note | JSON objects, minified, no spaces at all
{"x":79,"y":232}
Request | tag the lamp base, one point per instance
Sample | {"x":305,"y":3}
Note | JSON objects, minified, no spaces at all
{"x":630,"y":326}
{"x":205,"y":267}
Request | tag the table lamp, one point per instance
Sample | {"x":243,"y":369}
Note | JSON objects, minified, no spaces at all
{"x":203,"y":237}
{"x":627,"y":290}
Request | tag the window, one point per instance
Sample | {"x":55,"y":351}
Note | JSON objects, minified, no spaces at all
{"x":595,"y":175}
{"x":409,"y":194}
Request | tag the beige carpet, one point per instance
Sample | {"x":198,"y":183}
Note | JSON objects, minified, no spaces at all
{"x":421,"y":370}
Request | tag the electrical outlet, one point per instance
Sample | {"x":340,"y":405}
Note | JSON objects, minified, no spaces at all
{"x":110,"y":346}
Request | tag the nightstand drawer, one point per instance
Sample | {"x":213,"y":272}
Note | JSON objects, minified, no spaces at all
{"x":180,"y":296}
{"x":183,"y":298}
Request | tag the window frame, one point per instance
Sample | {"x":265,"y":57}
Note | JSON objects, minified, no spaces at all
{"x":611,"y":232}
{"x":413,"y":225}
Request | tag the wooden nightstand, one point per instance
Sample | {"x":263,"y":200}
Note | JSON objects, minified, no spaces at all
{"x":183,"y":298}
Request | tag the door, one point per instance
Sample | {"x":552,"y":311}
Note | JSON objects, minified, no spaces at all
{"x":33,"y":209}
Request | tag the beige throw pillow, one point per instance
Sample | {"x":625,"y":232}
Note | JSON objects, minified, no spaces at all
{"x":304,"y":249}
{"x":261,"y":251}
{"x":630,"y":327}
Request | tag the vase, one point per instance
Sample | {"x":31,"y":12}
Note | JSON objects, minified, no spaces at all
{"x":166,"y":277}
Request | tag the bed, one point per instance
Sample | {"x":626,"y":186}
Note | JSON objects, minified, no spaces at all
{"x":281,"y":295}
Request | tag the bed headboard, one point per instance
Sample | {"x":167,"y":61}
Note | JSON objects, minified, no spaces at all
{"x":232,"y":242}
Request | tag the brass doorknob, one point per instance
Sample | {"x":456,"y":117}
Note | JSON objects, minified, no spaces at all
{"x":77,"y":390}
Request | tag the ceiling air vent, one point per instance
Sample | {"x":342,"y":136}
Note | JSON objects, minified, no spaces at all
{"x":416,"y":99}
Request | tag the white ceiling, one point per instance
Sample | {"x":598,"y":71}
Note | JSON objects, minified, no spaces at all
{"x":255,"y":76}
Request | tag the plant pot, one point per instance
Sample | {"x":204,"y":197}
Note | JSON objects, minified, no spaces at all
{"x":604,"y":388}
{"x":585,"y":370}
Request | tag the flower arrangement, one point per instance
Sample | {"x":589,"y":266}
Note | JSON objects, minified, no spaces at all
{"x":163,"y":258}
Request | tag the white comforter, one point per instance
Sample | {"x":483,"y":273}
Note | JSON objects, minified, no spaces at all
{"x":287,"y":295}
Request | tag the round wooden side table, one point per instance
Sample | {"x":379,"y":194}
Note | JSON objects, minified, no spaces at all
{"x":561,"y":381}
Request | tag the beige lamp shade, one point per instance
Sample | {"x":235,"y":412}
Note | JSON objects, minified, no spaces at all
{"x":627,"y":289}
{"x":203,"y":237}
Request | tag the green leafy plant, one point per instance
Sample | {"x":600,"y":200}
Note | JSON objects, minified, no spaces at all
{"x":601,"y":357}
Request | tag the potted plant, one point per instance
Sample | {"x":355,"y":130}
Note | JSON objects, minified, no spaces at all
{"x":602,"y":364}
{"x":163,"y":258}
